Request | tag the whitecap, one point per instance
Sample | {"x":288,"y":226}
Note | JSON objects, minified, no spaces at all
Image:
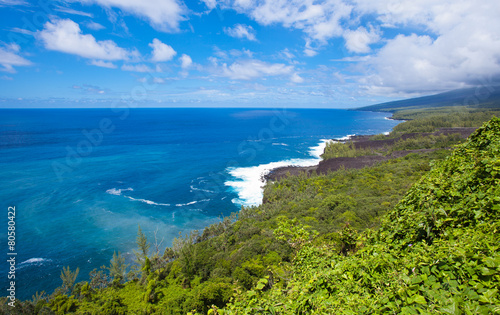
{"x":149,"y":202}
{"x":117,"y":192}
{"x":249,"y":181}
{"x":186,"y":204}
{"x":192,"y":188}
{"x":345,"y":138}
{"x":34,"y":261}
{"x":191,"y":203}
{"x":318,"y":150}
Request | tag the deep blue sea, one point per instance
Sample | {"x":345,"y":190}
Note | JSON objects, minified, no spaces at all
{"x":82,"y":180}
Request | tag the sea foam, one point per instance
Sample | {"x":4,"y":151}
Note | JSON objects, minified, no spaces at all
{"x":249,"y":181}
{"x":149,"y":202}
{"x":117,"y":192}
{"x":34,"y":262}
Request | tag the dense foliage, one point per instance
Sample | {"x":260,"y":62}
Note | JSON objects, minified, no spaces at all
{"x":335,"y":149}
{"x":432,"y":120}
{"x":351,"y":241}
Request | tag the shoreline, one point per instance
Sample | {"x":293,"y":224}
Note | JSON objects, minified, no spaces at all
{"x":362,"y":142}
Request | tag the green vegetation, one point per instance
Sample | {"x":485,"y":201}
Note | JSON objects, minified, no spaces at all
{"x":431,"y":120}
{"x":334,"y":149}
{"x":416,"y":234}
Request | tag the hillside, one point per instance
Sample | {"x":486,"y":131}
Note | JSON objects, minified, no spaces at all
{"x":435,"y":252}
{"x":478,"y":97}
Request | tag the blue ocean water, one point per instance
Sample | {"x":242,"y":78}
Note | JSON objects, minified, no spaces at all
{"x":82,"y":180}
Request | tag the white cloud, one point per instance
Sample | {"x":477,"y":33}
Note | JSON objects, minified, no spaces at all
{"x":462,"y":48}
{"x":241,"y":31}
{"x":136,"y":68}
{"x":286,"y":54}
{"x":163,"y":15}
{"x":211,"y":4}
{"x":103,"y":64}
{"x":320,"y":20}
{"x":94,"y":26}
{"x":161,"y":52}
{"x":22,"y":31}
{"x":66,"y":36}
{"x":310,"y":52}
{"x":296,"y":78}
{"x":12,"y":2}
{"x":252,"y":69}
{"x":9,"y":58}
{"x":186,"y":61}
{"x":71,"y":11}
{"x":457,"y":42}
{"x":359,"y":41}
{"x":13,"y":47}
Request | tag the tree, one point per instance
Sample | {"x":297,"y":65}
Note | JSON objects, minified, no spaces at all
{"x":185,"y":250}
{"x":117,"y":267}
{"x":68,"y":278}
{"x":142,"y":243}
{"x":98,"y":278}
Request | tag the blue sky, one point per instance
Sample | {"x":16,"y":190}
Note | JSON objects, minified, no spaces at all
{"x":242,"y":53}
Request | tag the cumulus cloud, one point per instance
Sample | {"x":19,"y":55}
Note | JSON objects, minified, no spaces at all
{"x":462,"y":47}
{"x":9,"y":58}
{"x":161,"y":52}
{"x":320,"y":20}
{"x":252,"y":69}
{"x":241,"y":31}
{"x":456,"y":41}
{"x":163,"y":15}
{"x":186,"y":61}
{"x":359,"y":41}
{"x":66,"y":36}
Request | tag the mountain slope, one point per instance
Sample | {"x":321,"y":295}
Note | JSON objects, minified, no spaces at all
{"x":480,"y":97}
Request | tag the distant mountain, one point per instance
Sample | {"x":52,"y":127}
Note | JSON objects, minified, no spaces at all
{"x":481,"y":97}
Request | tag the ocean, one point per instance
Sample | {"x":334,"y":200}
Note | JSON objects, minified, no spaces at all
{"x":82,"y":180}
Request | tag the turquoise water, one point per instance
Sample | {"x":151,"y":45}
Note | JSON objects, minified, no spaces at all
{"x":83,"y":179}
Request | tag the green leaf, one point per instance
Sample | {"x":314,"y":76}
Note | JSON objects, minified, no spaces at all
{"x":451,"y":309}
{"x":420,"y":299}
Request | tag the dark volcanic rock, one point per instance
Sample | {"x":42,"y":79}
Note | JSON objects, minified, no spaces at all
{"x":363,"y":142}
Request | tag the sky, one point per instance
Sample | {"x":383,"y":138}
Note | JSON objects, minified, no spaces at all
{"x":243,"y":53}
